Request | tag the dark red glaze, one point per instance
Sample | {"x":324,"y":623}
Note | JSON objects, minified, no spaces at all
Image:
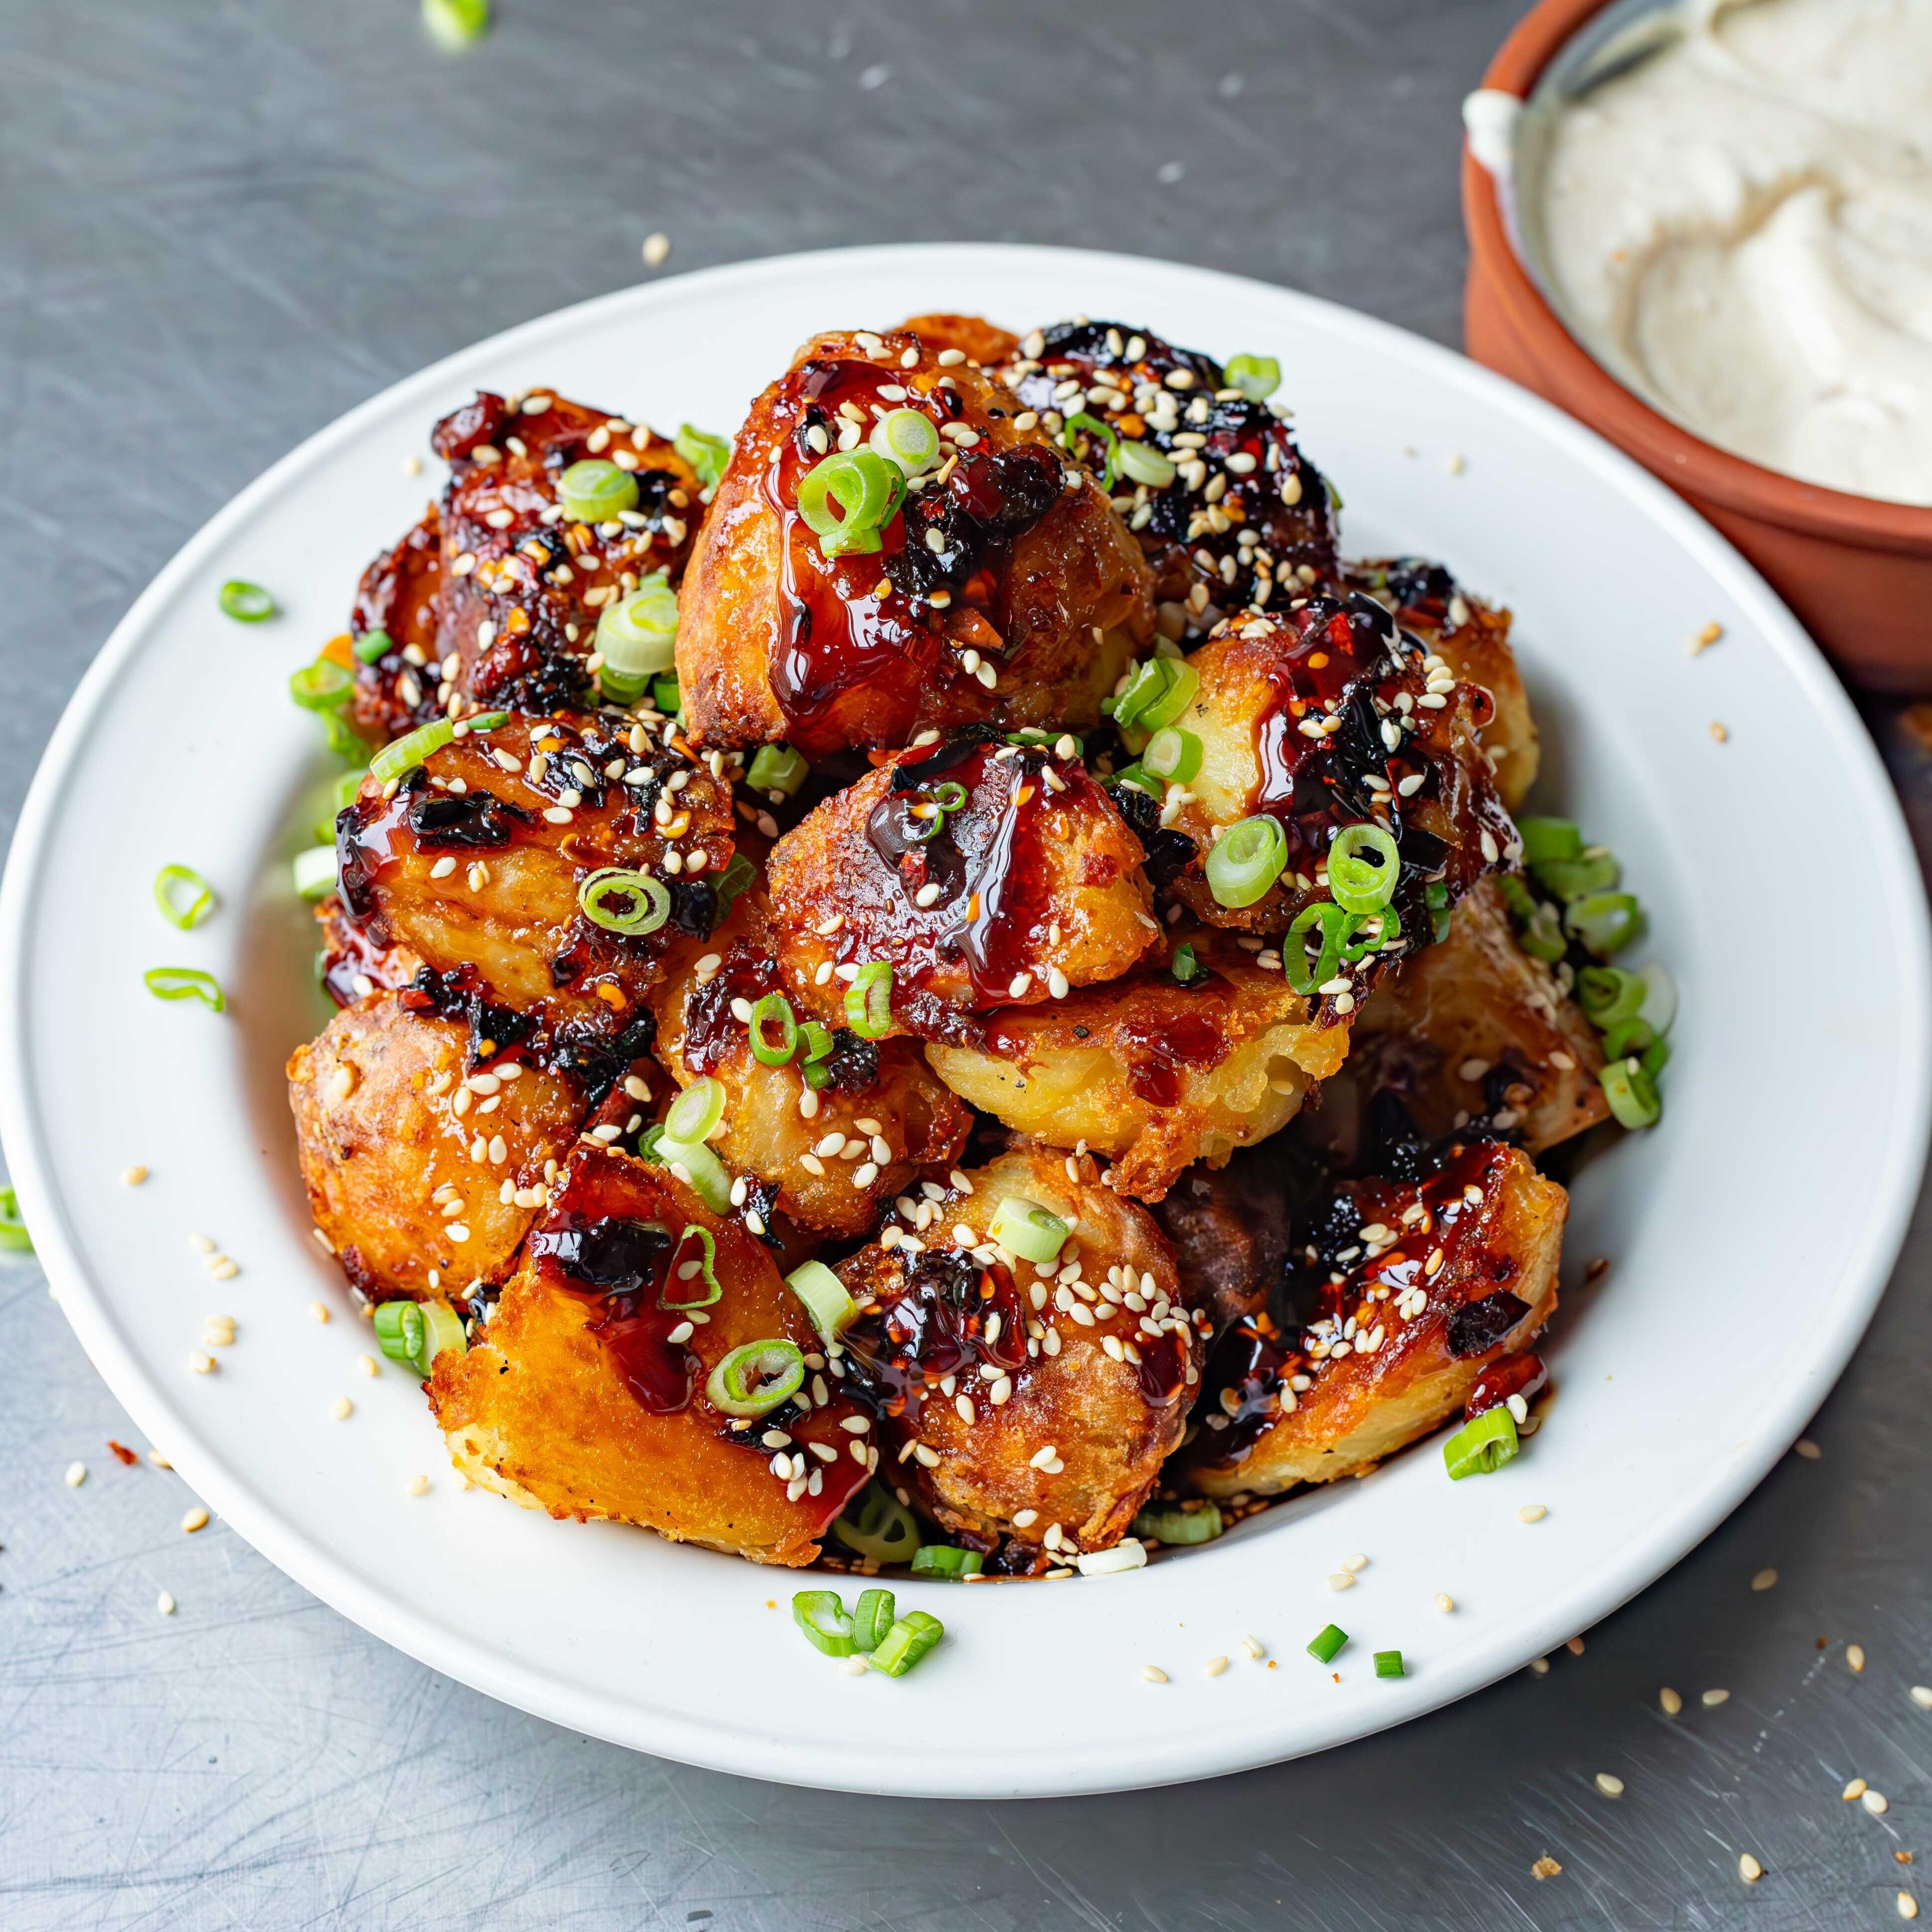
{"x":400,"y":595}
{"x":712,"y":1031}
{"x":1515,"y":1375}
{"x":1163,"y":1368}
{"x":1162,"y":1050}
{"x":352,"y":966}
{"x":936,"y":1323}
{"x":626,"y":1267}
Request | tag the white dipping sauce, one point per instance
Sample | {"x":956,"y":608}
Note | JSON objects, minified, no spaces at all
{"x":1740,"y":229}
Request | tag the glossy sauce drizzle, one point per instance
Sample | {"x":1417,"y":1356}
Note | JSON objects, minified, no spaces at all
{"x":622,"y":1265}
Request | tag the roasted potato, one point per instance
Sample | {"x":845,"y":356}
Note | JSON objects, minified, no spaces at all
{"x":1029,"y":1402}
{"x":1475,"y":1034}
{"x":586,"y":1392}
{"x":424,"y":1176}
{"x":474,"y":860}
{"x":1150,"y":1072}
{"x":1473,"y":639}
{"x":1379,"y":1340}
{"x":1244,"y":522}
{"x":352,"y":968}
{"x":1006,"y":589}
{"x":1030,"y":885}
{"x":836,"y":1152}
{"x":400,"y":595}
{"x":523,"y":587}
{"x":980,"y":341}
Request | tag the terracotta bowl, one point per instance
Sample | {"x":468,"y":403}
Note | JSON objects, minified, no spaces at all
{"x":1857,"y":571}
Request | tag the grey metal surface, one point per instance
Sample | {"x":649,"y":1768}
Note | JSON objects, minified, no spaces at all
{"x":221,"y":225}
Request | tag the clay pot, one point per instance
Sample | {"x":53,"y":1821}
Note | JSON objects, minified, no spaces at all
{"x":1858,"y":572}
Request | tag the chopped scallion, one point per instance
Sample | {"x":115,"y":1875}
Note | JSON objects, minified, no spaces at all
{"x":185,"y":982}
{"x":1388,"y":1663}
{"x":694,"y":1259}
{"x":777,"y":768}
{"x":13,"y":1236}
{"x":1605,"y":922}
{"x":869,"y":1000}
{"x":701,"y":1169}
{"x":1170,"y":1522}
{"x":637,"y":637}
{"x":1142,"y":462}
{"x":872,"y":1619}
{"x":944,"y":1559}
{"x":247,"y":603}
{"x":323,"y":685}
{"x":878,"y":1524}
{"x":184,"y":897}
{"x":822,"y":1617}
{"x":1329,"y":920}
{"x":1082,"y":424}
{"x":906,"y":1642}
{"x":773,"y":1011}
{"x":907,"y":438}
{"x":737,"y":877}
{"x":667,"y":695}
{"x":414,"y":1332}
{"x":373,"y":647}
{"x":1632,"y":1093}
{"x":313,"y":872}
{"x":629,"y":903}
{"x":414,"y":748}
{"x":1593,"y":870}
{"x":1609,"y":995}
{"x":847,"y":498}
{"x":824,"y":1298}
{"x":1364,"y":865}
{"x":455,"y":23}
{"x":1173,"y":754}
{"x":1256,"y":377}
{"x":1544,"y":839}
{"x":697,"y":1113}
{"x":1482,"y":1447}
{"x":594,"y":491}
{"x":753,"y":1381}
{"x":1025,"y":1228}
{"x":1326,"y":1645}
{"x":707,"y":454}
{"x":1246,"y":861}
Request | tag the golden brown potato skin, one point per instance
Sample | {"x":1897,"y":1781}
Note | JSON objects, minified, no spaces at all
{"x":1152,"y":1073}
{"x":520,"y":602}
{"x":574,"y":1400}
{"x":975,"y":338}
{"x":1478,"y":1000}
{"x":1498,"y":1226}
{"x":517,"y":818}
{"x":1045,"y":1382}
{"x":382,"y":1159}
{"x":1023,"y":608}
{"x":401,"y":596}
{"x":882,"y":1096}
{"x":1474,"y":638}
{"x":1036,"y":875}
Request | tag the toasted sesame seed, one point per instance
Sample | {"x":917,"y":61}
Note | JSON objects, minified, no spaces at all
{"x":195,"y":1519}
{"x":1445,"y":1602}
{"x":165,"y":1603}
{"x":1705,"y":638}
{"x":1532,"y":1513}
{"x":1215,"y":1666}
{"x":1874,"y":1802}
{"x":1152,"y":1673}
{"x":416,"y":1485}
{"x":1908,"y":1906}
{"x":1340,"y":1580}
{"x":1574,"y":1646}
{"x":368,"y":1365}
{"x":318,"y":1311}
{"x":1853,"y":1791}
{"x":76,"y":1474}
{"x":1711,"y":1700}
{"x":1765,"y":1580}
{"x":657,"y":251}
{"x":341,"y":1408}
{"x":1609,"y":1784}
{"x":1255,"y":1648}
{"x":1855,"y":1656}
{"x":1809,"y":1449}
{"x":1668,"y":1701}
{"x":202,"y":1363}
{"x":1539,"y":1666}
{"x":1921,"y":1695}
{"x":1749,"y":1869}
{"x":133,"y":1177}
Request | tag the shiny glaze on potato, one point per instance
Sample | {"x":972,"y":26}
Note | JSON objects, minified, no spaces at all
{"x":423,"y":1175}
{"x":1005,"y":589}
{"x":1032,"y":886}
{"x":1154,"y":1073}
{"x":474,"y":860}
{"x":584,"y":1392}
{"x":1018,"y":1402}
{"x":1405,"y":1292}
{"x":401,"y":596}
{"x":836,"y":1156}
{"x":983,"y":343}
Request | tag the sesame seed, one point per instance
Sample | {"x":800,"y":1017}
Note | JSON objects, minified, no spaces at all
{"x":1445,"y":1602}
{"x":1574,"y":1646}
{"x":1152,"y":1673}
{"x":1749,"y":1869}
{"x":1854,"y":1790}
{"x":1908,"y":1906}
{"x":1668,"y":1701}
{"x":1712,"y":1698}
{"x":76,"y":1474}
{"x":1216,"y":1665}
{"x":368,"y":1365}
{"x":1532,"y":1513}
{"x":318,"y":1311}
{"x":1255,"y":1648}
{"x":1874,"y":1802}
{"x":203,"y":1363}
{"x":195,"y":1519}
{"x":165,"y":1603}
{"x":1546,"y":1867}
{"x":1855,"y":1656}
{"x":657,"y":251}
{"x":1809,"y":1449}
{"x":1922,"y":1696}
{"x":1705,"y":638}
{"x":1539,"y":1666}
{"x":133,"y":1177}
{"x":1765,"y":1580}
{"x":341,"y":1408}
{"x":1340,"y":1580}
{"x":1609,"y":1785}
{"x":416,"y":1485}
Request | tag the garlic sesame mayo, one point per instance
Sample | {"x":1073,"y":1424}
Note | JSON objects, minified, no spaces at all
{"x":1740,"y":229}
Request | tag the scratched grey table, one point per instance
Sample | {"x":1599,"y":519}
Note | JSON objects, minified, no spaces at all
{"x":221,"y":226}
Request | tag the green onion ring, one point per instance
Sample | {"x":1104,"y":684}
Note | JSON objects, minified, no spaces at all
{"x":872,"y":1619}
{"x":753,"y":1380}
{"x":774,"y":1009}
{"x":944,"y":1559}
{"x":649,"y":901}
{"x":883,"y":1528}
{"x":1142,"y":462}
{"x":1163,"y":1522}
{"x":184,"y":915}
{"x":1333,"y":922}
{"x":1256,"y":377}
{"x":1173,"y":754}
{"x":1627,"y":1038}
{"x":1544,"y":839}
{"x":1245,"y":862}
{"x":637,"y":638}
{"x":777,"y":768}
{"x":595,"y":491}
{"x":1605,"y":922}
{"x":1632,"y":1094}
{"x":314,"y":873}
{"x":822,"y":1617}
{"x":707,"y":454}
{"x":824,"y":1297}
{"x":1609,"y":995}
{"x":697,"y":1113}
{"x":848,"y":497}
{"x":705,"y":1267}
{"x":14,"y":1235}
{"x":323,"y":685}
{"x":373,"y":647}
{"x":1356,"y":883}
{"x":907,"y":1641}
{"x":247,"y":603}
{"x":1388,"y":1663}
{"x":185,"y":982}
{"x":1026,"y":1229}
{"x":414,"y":1332}
{"x":697,"y":1167}
{"x":907,"y":438}
{"x":1326,"y":1645}
{"x":1388,"y":922}
{"x":1482,"y":1447}
{"x":869,"y":1000}
{"x":737,"y":878}
{"x":1082,"y":424}
{"x":1182,"y":681}
{"x":412,"y":748}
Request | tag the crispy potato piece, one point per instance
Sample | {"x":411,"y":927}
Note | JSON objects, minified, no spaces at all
{"x":1009,"y":591}
{"x":584,"y":1396}
{"x":521,"y":601}
{"x":401,"y":596}
{"x":474,"y":863}
{"x":1474,"y":1034}
{"x":979,"y":340}
{"x":1289,"y":1403}
{"x":1068,"y":1429}
{"x":881,"y":1098}
{"x":1473,"y":639}
{"x":1033,"y":883}
{"x":1154,"y":393}
{"x":385,"y":1152}
{"x":1151,"y":1072}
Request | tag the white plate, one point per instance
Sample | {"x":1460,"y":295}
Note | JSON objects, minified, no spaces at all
{"x":1750,"y":1234}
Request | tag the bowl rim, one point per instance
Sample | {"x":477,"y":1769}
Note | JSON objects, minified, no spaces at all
{"x":1683,"y":458}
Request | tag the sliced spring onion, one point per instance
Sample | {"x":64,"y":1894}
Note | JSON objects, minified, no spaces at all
{"x":818,"y":1042}
{"x":1141,"y":779}
{"x":1173,"y":754}
{"x":1367,"y":932}
{"x":1480,"y":1447}
{"x":777,"y":768}
{"x":185,"y":983}
{"x":485,"y":721}
{"x":754,"y":1379}
{"x":1632,"y":1093}
{"x":313,"y":872}
{"x":414,"y":1332}
{"x":774,"y":1010}
{"x":1544,"y":839}
{"x":906,"y":1642}
{"x":1435,"y":897}
{"x":1595,"y":870}
{"x":1080,"y":423}
{"x":412,"y":748}
{"x":1543,"y":937}
{"x":736,"y":877}
{"x":667,"y":696}
{"x":822,"y":1617}
{"x":688,"y":1270}
{"x":1656,"y":1057}
{"x":707,"y":454}
{"x":700,"y":1170}
{"x":848,"y":497}
{"x":625,"y":902}
{"x":1660,"y":997}
{"x":1158,"y":693}
{"x":1326,"y":1644}
{"x":1184,"y":966}
{"x":907,"y":438}
{"x":878,"y":1524}
{"x":1329,"y":920}
{"x":247,"y":603}
{"x":943,"y":1559}
{"x":1256,"y":377}
{"x":1026,"y":1229}
{"x":1164,"y":1522}
{"x":594,"y":491}
{"x":373,"y":647}
{"x":949,"y":795}
{"x":873,"y":1617}
{"x":637,"y":637}
{"x":824,"y":1298}
{"x":1628,"y":1038}
{"x":184,"y":897}
{"x":455,"y":23}
{"x":1142,"y":462}
{"x":341,"y":738}
{"x":1364,"y":866}
{"x":323,"y":685}
{"x":869,"y":1000}
{"x":1609,"y":995}
{"x":697,"y":1113}
{"x":1605,"y":922}
{"x":1246,"y":861}
{"x":1388,"y":1663}
{"x":13,"y":1236}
